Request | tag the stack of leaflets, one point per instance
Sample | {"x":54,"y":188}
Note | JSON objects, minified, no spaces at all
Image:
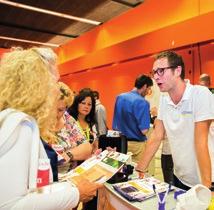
{"x":99,"y":168}
{"x":141,"y":189}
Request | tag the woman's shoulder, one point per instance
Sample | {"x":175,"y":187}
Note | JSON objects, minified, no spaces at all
{"x":68,"y":117}
{"x":69,"y":120}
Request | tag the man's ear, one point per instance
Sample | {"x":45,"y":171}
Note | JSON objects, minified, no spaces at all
{"x":144,"y":87}
{"x":178,"y":70}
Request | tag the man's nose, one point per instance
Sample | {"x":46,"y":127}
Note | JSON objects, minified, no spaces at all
{"x":156,"y":77}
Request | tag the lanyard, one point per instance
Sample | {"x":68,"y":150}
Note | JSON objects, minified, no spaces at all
{"x":85,"y":132}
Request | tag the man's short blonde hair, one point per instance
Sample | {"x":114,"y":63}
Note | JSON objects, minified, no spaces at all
{"x":27,"y":84}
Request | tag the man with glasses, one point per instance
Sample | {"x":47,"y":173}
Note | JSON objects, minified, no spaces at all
{"x":185,"y":113}
{"x":132,"y":116}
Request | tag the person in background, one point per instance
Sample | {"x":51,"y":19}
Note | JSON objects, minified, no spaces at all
{"x":67,"y":138}
{"x":100,"y":114}
{"x":205,"y":80}
{"x":185,"y":113}
{"x":132,"y":116}
{"x":28,"y":101}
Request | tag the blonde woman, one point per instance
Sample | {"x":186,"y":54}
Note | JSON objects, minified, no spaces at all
{"x":68,"y":139}
{"x":28,"y":97}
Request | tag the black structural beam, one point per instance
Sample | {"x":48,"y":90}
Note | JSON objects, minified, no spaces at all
{"x":37,"y":30}
{"x":127,"y":3}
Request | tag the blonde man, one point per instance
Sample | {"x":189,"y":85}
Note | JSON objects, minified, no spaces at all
{"x":184,"y":115}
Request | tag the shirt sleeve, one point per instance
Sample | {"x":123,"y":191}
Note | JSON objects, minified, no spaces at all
{"x":63,"y":195}
{"x":203,"y":104}
{"x":141,"y":110}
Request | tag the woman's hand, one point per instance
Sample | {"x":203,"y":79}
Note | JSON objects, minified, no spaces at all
{"x":110,"y":149}
{"x":97,"y":152}
{"x":65,"y":157}
{"x":86,"y":188}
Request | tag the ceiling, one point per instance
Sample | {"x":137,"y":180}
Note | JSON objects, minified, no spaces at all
{"x":31,"y":25}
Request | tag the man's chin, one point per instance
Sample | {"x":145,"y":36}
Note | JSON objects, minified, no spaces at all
{"x":163,"y":90}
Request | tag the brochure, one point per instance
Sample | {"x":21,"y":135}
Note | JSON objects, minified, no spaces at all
{"x":99,"y":168}
{"x":141,"y":189}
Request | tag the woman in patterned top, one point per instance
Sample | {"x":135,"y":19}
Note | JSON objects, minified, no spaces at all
{"x":83,"y":111}
{"x":68,"y":142}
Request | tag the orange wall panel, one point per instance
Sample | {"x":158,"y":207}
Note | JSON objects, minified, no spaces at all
{"x":206,"y":6}
{"x":147,"y":17}
{"x":174,"y":36}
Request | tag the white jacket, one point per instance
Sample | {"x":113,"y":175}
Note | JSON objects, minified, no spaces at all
{"x":20,"y":151}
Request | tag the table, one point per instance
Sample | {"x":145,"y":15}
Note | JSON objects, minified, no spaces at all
{"x":109,"y":199}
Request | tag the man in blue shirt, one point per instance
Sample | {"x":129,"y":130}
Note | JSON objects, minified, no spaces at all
{"x":132,"y":115}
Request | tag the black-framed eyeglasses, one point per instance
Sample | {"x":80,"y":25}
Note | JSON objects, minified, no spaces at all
{"x":161,"y":71}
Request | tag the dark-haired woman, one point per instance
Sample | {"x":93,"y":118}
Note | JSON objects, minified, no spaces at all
{"x":83,"y":110}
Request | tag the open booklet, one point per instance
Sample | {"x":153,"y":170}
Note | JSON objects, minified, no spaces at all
{"x":99,"y":168}
{"x":141,"y":189}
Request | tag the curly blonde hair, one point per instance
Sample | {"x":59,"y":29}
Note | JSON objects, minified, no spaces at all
{"x":27,"y":84}
{"x":66,"y":94}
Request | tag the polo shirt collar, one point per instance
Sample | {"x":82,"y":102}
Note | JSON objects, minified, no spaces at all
{"x":135,"y":91}
{"x":186,"y":95}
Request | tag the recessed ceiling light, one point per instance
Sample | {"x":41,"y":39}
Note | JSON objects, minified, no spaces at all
{"x":50,"y":12}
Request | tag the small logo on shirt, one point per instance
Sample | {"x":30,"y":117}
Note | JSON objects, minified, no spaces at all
{"x":186,"y":113}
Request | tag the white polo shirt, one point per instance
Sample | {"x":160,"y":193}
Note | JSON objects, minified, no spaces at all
{"x":197,"y":104}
